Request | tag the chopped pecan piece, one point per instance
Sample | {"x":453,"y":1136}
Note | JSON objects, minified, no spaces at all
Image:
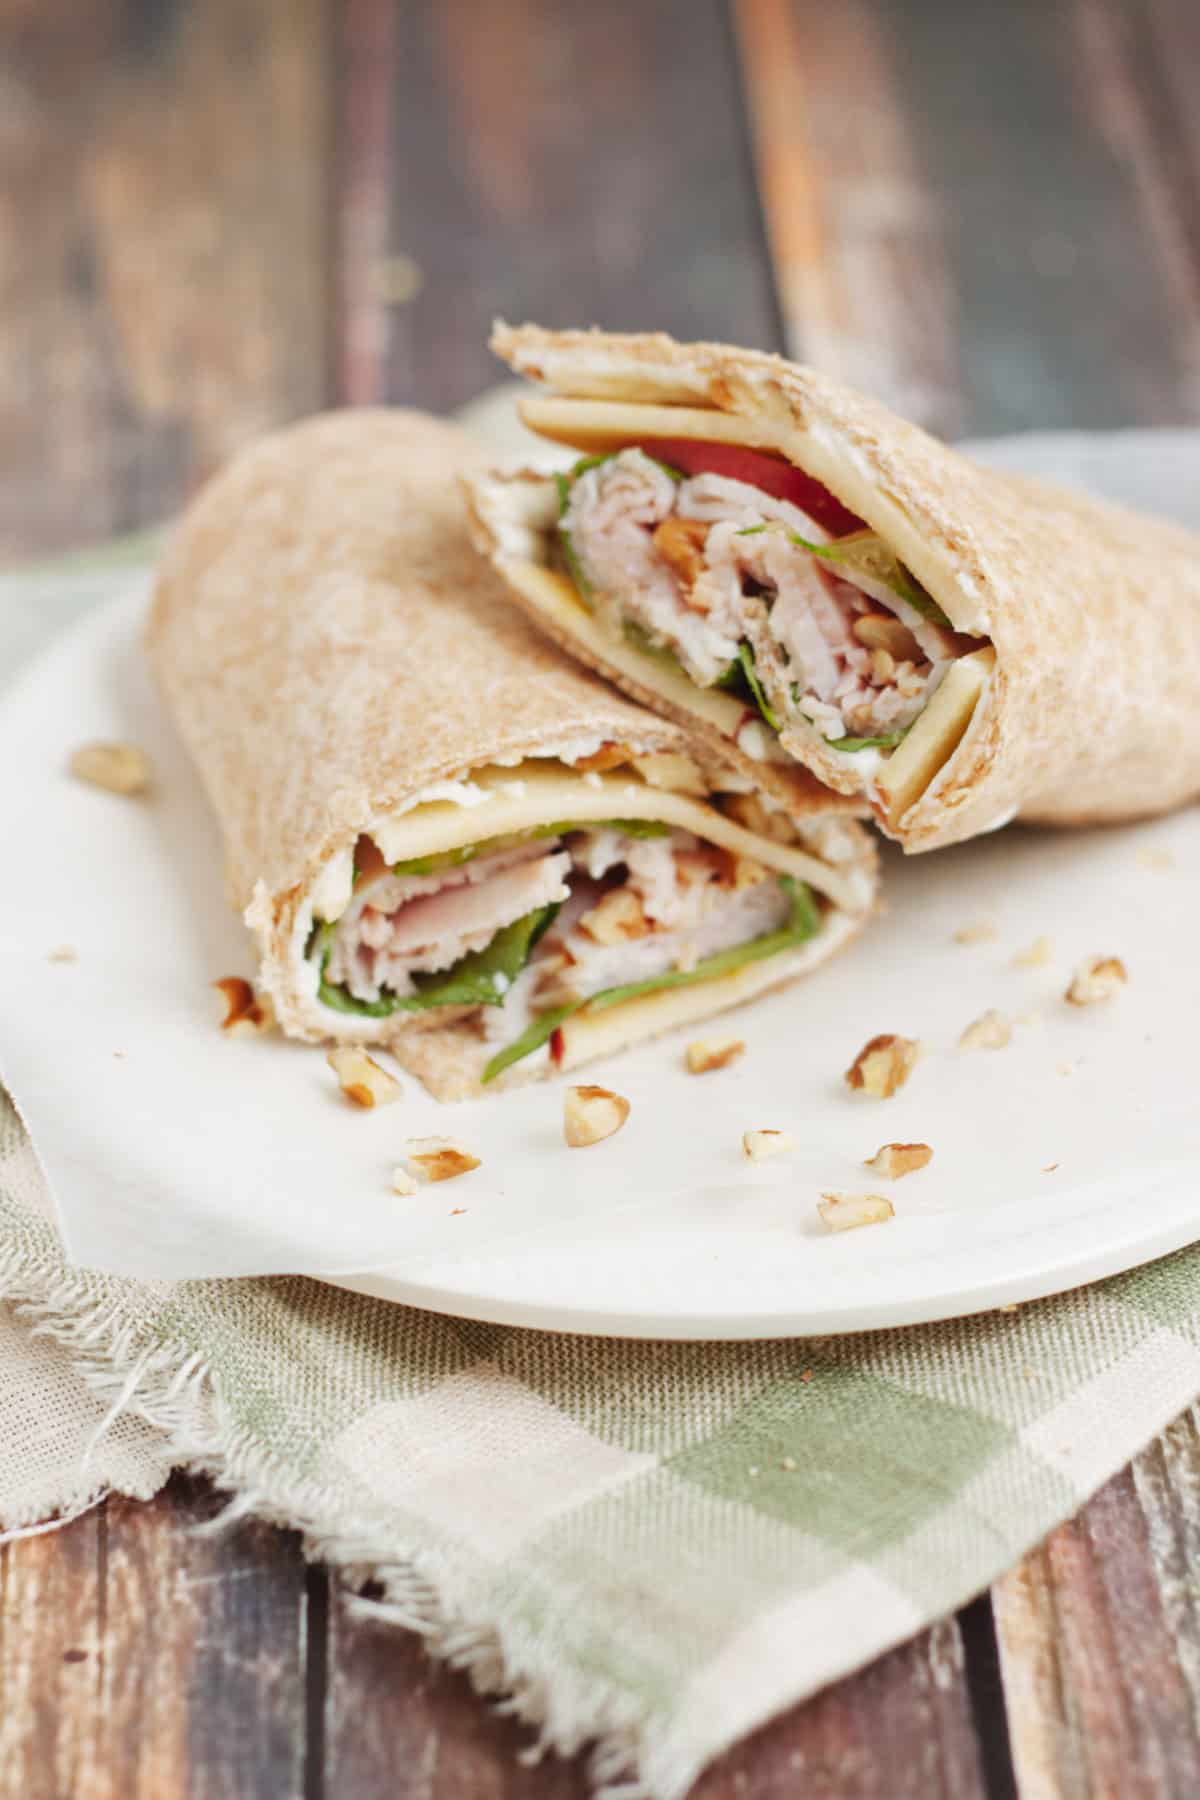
{"x":247,"y":1014}
{"x":591,"y":1114}
{"x":615,"y":918}
{"x":707,"y":1054}
{"x":1095,"y":980}
{"x":361,"y":1078}
{"x":883,"y":1065}
{"x":758,"y":1145}
{"x":680,"y":543}
{"x":884,"y":631}
{"x":120,"y":768}
{"x":894,"y":1160}
{"x":440,"y":1159}
{"x":846,"y":1212}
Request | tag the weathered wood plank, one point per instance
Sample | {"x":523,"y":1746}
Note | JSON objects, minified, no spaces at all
{"x":1041,"y":140}
{"x":900,"y":1730}
{"x":575,"y":164}
{"x":986,"y":216}
{"x":163,"y":239}
{"x":1099,"y":1635}
{"x":140,"y":1662}
{"x":397,"y":1722}
{"x":1131,"y":64}
{"x":854,"y":229}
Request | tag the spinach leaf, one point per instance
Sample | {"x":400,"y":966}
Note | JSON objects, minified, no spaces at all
{"x":850,"y":744}
{"x":481,"y":978}
{"x":804,"y":921}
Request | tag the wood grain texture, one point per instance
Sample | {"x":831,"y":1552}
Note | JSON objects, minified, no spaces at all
{"x":854,"y":231}
{"x":1099,"y":1634}
{"x":986,"y":213}
{"x":162,"y":241}
{"x":398,"y":1723}
{"x":1032,"y":123}
{"x":900,"y":1730}
{"x":570,"y":162}
{"x":141,"y":1662}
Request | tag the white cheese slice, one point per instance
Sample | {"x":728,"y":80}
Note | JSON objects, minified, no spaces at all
{"x":936,"y":734}
{"x":554,"y":596}
{"x":549,"y":795}
{"x":611,"y":424}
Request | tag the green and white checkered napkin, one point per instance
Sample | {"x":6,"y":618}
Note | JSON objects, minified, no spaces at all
{"x":654,"y":1546}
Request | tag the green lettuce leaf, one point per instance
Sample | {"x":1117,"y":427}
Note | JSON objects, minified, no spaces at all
{"x":865,"y":553}
{"x":433,"y":865}
{"x":804,"y":921}
{"x":849,"y":744}
{"x":741,"y":679}
{"x":746,"y":659}
{"x":503,"y":947}
{"x":481,"y":978}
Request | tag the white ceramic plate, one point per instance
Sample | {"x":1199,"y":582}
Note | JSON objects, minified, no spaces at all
{"x":1071,"y":1154}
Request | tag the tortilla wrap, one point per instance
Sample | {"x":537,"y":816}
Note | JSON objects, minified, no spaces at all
{"x":343,"y":666}
{"x":1077,"y":703}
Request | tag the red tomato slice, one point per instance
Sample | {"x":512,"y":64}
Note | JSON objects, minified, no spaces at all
{"x":759,"y":469}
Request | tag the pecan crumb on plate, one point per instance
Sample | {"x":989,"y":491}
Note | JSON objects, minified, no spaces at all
{"x":361,"y":1078}
{"x":894,"y":1160}
{"x":440,"y":1159}
{"x":846,"y":1212}
{"x":707,"y":1054}
{"x":1096,"y":980}
{"x":758,"y":1145}
{"x":883,"y":1065}
{"x":591,"y":1114}
{"x":118,"y":768}
{"x":247,"y":1014}
{"x":990,"y":1031}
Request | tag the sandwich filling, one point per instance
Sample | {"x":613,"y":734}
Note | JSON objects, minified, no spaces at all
{"x":533,"y":926}
{"x":760,"y":585}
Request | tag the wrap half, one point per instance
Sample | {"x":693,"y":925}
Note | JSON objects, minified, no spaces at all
{"x":444,"y":835}
{"x":748,"y":545}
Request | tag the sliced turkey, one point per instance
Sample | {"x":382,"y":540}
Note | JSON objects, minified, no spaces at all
{"x":705,"y":564}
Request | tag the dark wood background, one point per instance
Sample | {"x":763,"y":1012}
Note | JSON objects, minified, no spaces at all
{"x":216,"y":215}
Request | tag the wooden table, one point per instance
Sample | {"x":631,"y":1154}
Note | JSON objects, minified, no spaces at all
{"x":219,"y":214}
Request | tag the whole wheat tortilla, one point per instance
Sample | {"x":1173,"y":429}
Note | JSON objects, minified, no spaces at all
{"x":1092,"y":711}
{"x":331,"y":646}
